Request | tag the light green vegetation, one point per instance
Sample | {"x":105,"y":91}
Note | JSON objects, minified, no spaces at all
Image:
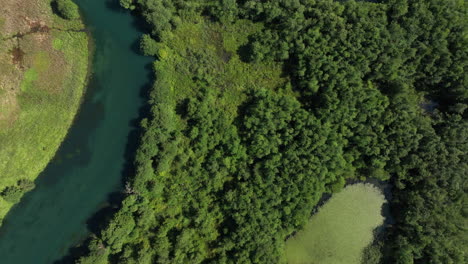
{"x":41,"y":104}
{"x":67,"y":9}
{"x":28,"y":80}
{"x":210,"y":61}
{"x":210,"y":50}
{"x":341,"y":229}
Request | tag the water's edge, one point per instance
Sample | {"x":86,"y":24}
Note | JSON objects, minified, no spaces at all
{"x":97,"y":153}
{"x":84,"y":86}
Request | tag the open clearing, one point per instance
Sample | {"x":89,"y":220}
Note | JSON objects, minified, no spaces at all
{"x":341,"y":229}
{"x":43,"y":68}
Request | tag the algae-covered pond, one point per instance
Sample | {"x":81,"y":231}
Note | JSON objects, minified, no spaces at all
{"x":340,"y":230}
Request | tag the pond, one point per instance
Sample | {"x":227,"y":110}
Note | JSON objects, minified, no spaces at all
{"x":341,"y":229}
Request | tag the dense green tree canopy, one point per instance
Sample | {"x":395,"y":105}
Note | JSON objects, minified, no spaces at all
{"x":227,"y":171}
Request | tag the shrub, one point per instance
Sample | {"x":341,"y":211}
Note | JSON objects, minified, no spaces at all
{"x":148,"y":45}
{"x":372,"y":254}
{"x":128,"y":4}
{"x":26,"y":185}
{"x":67,"y":9}
{"x":12,"y":194}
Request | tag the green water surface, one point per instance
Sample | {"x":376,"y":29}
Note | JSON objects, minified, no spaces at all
{"x":92,"y":160}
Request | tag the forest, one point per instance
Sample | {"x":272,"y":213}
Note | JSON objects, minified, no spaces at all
{"x":260,"y":107}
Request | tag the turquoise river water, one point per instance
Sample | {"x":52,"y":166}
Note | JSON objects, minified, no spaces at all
{"x":91,"y":161}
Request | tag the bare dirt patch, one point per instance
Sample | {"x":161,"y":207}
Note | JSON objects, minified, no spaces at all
{"x":38,"y":27}
{"x":17,"y":55}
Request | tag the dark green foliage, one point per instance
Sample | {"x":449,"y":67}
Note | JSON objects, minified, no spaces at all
{"x":128,"y":4}
{"x":372,"y":254}
{"x":14,"y":193}
{"x":148,"y":46}
{"x":159,"y":14}
{"x":26,"y":185}
{"x":283,"y":143}
{"x":213,"y":186}
{"x":98,"y":253}
{"x":430,"y":225}
{"x":67,"y":9}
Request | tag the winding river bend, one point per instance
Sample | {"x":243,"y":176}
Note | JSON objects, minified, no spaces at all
{"x":91,"y":161}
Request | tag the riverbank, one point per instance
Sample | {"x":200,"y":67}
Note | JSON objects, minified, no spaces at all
{"x":92,"y":160}
{"x":44,"y":70}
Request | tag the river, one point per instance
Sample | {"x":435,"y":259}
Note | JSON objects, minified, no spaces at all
{"x":92,"y":160}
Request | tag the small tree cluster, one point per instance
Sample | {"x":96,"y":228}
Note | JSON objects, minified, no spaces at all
{"x":14,"y":193}
{"x":67,"y":9}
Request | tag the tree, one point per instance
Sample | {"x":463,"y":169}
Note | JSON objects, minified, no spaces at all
{"x":128,"y":4}
{"x":12,"y":194}
{"x":148,"y":45}
{"x":67,"y":9}
{"x":225,"y":180}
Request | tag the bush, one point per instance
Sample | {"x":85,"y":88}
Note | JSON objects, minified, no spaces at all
{"x":12,"y":194}
{"x":67,"y":9}
{"x":372,"y":254}
{"x":128,"y":4}
{"x":26,"y":185}
{"x":148,"y":45}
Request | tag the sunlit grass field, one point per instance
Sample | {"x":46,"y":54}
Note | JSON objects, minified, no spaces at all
{"x":341,"y":229}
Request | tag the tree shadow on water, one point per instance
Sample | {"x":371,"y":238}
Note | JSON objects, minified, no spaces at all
{"x":99,"y":220}
{"x":74,"y":151}
{"x":114,"y":5}
{"x":135,"y":47}
{"x":134,"y":137}
{"x":51,"y":185}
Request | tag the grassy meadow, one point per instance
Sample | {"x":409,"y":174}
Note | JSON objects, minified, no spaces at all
{"x":340,"y":230}
{"x":43,"y":75}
